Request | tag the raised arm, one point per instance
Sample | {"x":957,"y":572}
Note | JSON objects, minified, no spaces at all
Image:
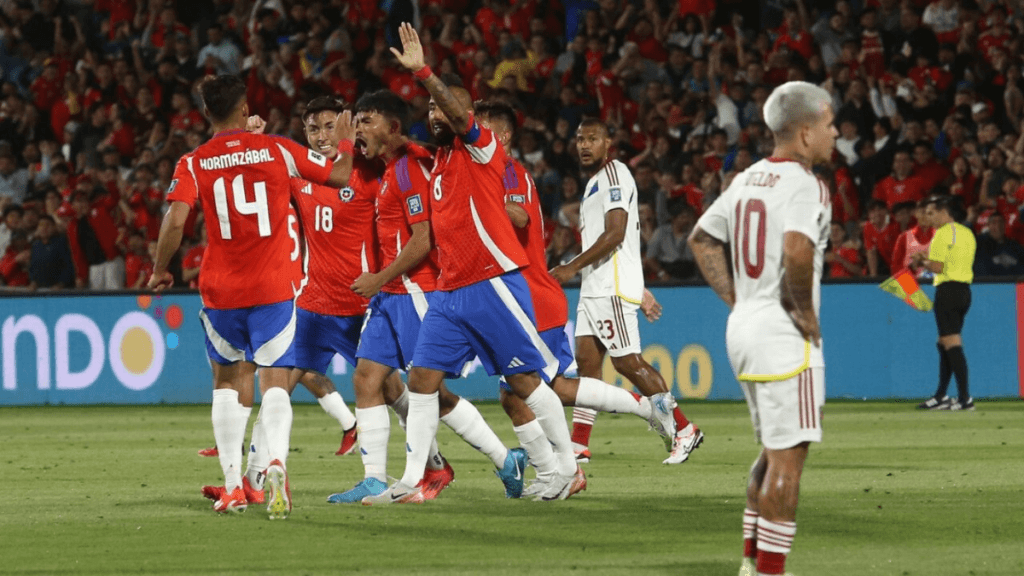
{"x":798,"y":284}
{"x":711,"y":255}
{"x":343,"y":138}
{"x":411,"y":57}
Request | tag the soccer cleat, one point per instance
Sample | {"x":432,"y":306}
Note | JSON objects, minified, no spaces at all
{"x":935,"y":404}
{"x":748,"y":567}
{"x":209,"y":452}
{"x":348,"y":442}
{"x":280,"y":492}
{"x":662,"y":418}
{"x":252,"y":496}
{"x":957,"y":406}
{"x":233,"y":502}
{"x":511,"y":474}
{"x":536,"y":486}
{"x":436,"y":480}
{"x":398,"y":493}
{"x":582,"y":456}
{"x":686,"y":441}
{"x":558,"y":487}
{"x":969,"y":405}
{"x":579,"y":482}
{"x":366,"y":487}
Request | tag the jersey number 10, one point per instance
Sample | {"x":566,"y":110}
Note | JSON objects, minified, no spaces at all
{"x":741,"y":241}
{"x":258,"y":206}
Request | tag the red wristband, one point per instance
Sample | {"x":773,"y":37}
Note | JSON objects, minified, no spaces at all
{"x":346,"y":147}
{"x":423,"y":73}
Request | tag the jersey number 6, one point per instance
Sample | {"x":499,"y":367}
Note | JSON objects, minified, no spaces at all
{"x":258,"y":206}
{"x":741,"y":243}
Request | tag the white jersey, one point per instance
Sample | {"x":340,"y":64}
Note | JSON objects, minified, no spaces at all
{"x":764,"y":202}
{"x":621,"y":272}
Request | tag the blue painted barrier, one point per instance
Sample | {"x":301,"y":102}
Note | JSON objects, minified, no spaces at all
{"x":128,"y":349}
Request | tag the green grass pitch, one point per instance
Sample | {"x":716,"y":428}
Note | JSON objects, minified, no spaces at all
{"x":892,"y":491}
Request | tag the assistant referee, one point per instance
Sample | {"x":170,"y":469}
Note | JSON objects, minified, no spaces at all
{"x":951,"y":258}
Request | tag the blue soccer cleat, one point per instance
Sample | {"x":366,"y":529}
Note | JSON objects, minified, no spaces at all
{"x":368,"y":487}
{"x":511,"y":474}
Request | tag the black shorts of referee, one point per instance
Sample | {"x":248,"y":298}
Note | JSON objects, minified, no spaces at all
{"x":952,"y":301}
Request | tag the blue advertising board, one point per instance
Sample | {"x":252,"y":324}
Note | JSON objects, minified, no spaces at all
{"x":128,"y":349}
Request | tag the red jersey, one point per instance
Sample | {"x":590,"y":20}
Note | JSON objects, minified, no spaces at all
{"x":136,"y":266}
{"x":910,"y":242}
{"x":249,"y":245}
{"x":297,"y":270}
{"x":550,"y":307}
{"x":404,"y":200}
{"x":893,"y":191}
{"x":851,"y":255}
{"x":468,"y":204}
{"x":338,"y":228}
{"x":883,"y":240}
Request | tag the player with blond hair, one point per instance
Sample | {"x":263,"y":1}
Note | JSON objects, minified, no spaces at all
{"x":775,"y":219}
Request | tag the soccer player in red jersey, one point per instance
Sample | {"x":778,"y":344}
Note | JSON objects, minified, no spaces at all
{"x":401,"y":294}
{"x":552,"y":313}
{"x":248,"y":308}
{"x":482,"y":306}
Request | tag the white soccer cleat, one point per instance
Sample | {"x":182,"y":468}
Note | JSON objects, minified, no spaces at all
{"x":686,"y":441}
{"x":279,"y":501}
{"x":557,"y":487}
{"x":398,"y":493}
{"x":662,"y":417}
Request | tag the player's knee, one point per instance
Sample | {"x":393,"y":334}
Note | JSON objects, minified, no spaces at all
{"x":446,"y":400}
{"x":506,"y":399}
{"x":566,"y":395}
{"x":425,"y":380}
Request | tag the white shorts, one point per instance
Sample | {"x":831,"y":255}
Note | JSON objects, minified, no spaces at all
{"x":611,"y":320}
{"x":787,"y":412}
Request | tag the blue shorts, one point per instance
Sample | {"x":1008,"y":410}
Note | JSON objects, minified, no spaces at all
{"x":319,"y":337}
{"x":558,"y":342}
{"x":264,"y":335}
{"x":491,"y":319}
{"x":392,"y":327}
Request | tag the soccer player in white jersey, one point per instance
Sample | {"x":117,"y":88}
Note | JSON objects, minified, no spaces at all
{"x":774,"y":220}
{"x":613,"y":284}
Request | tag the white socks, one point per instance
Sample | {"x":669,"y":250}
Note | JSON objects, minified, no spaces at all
{"x":531,"y":437}
{"x":466,"y":421}
{"x":551,"y":416}
{"x":259,"y":456}
{"x":229,"y":420}
{"x":401,"y":408}
{"x":276,"y":415}
{"x":422,"y":428}
{"x":334,"y":405}
{"x":597,"y":395}
{"x":374,"y":432}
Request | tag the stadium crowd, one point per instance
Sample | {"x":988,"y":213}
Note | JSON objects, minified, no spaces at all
{"x":99,"y":102}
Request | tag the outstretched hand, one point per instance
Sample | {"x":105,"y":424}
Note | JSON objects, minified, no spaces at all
{"x":411,"y":56}
{"x":344,"y":129}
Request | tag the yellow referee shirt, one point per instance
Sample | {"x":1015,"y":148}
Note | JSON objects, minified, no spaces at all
{"x":954,"y":246}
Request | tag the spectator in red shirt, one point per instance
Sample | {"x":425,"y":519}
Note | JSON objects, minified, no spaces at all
{"x":880,"y":233}
{"x":965,"y":184}
{"x":48,"y":87}
{"x":916,"y":239}
{"x":900,"y":187}
{"x":138,"y":263}
{"x":185,"y":116}
{"x":930,"y":171}
{"x":193,"y":261}
{"x":843,"y":256}
{"x":92,"y":234}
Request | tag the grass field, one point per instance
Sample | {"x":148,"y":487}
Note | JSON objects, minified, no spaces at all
{"x":103,"y":490}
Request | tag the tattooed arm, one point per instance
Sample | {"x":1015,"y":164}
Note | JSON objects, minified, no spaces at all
{"x":411,"y":57}
{"x":798,"y":284}
{"x":710,"y":254}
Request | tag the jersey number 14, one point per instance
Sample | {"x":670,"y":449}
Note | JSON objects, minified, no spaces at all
{"x":243,"y":206}
{"x":752,"y":265}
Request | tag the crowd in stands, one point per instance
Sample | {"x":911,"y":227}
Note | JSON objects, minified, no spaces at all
{"x":99,"y":102}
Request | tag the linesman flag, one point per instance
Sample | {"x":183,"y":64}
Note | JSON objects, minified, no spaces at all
{"x":905,"y":287}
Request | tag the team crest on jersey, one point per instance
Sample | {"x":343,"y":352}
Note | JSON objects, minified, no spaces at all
{"x":415,"y":205}
{"x":346,"y":194}
{"x":173,"y":184}
{"x":316,"y":158}
{"x":616,"y":194}
{"x":518,"y":198}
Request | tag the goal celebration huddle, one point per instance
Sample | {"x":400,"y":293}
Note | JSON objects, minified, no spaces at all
{"x":406,"y":258}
